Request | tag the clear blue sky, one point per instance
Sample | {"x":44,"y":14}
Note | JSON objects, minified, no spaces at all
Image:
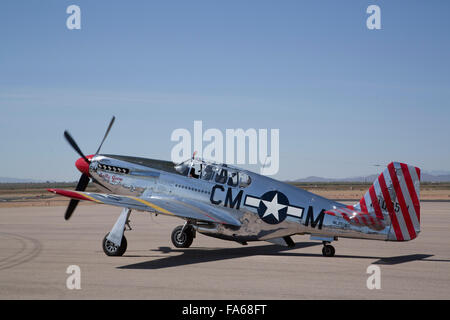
{"x":344,"y":97}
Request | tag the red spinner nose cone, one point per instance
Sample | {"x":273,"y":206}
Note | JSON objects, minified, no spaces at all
{"x":82,"y":165}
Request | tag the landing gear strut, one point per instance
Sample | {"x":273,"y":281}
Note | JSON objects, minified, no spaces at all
{"x":183,"y":236}
{"x":115,"y":236}
{"x":328,"y":250}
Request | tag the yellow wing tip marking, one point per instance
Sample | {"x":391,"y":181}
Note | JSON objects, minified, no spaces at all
{"x":90,"y":197}
{"x":154,"y":206}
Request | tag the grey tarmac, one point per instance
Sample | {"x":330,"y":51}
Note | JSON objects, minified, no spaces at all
{"x":37,"y":246}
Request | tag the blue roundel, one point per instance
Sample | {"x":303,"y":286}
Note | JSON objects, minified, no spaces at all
{"x":273,"y":207}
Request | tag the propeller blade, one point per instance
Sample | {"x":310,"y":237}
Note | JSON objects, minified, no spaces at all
{"x":71,"y":208}
{"x":106,"y":134}
{"x":98,"y":182}
{"x":75,"y":146}
{"x":84,"y":180}
{"x":81,"y":186}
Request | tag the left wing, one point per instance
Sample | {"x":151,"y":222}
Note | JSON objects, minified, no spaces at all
{"x":168,"y":205}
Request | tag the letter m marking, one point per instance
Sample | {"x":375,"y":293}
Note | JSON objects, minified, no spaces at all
{"x":318,"y":220}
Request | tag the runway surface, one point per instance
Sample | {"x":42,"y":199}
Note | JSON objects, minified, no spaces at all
{"x":37,"y":246}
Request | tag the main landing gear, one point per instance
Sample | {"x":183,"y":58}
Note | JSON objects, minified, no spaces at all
{"x":114,"y":244}
{"x":110,"y":249}
{"x":183,"y":236}
{"x":328,"y":250}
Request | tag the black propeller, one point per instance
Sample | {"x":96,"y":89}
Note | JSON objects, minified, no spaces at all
{"x":106,"y":134}
{"x":84,"y":179}
{"x":74,"y":145}
{"x":81,"y":186}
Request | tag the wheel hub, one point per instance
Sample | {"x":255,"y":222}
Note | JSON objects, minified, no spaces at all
{"x":110,"y":246}
{"x":181,"y":237}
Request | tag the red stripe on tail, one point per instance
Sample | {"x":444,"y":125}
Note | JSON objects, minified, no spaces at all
{"x":375,"y":203}
{"x":363,"y":205}
{"x":390,"y":207}
{"x":411,"y":189}
{"x":401,"y":201}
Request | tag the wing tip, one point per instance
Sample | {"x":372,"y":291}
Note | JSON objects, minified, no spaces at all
{"x":69,"y":194}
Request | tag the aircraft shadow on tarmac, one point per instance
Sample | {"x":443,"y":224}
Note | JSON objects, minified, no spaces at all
{"x":202,"y":255}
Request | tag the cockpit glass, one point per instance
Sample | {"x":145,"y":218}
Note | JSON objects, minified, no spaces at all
{"x":183,"y":168}
{"x":211,"y":172}
{"x":221,"y":176}
{"x":196,"y":170}
{"x":244,"y":180}
{"x":232,"y":179}
{"x":207,"y":172}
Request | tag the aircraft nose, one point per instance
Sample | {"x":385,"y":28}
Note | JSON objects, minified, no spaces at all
{"x":82,"y":166}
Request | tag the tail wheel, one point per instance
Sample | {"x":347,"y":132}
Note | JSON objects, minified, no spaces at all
{"x":328,"y":251}
{"x":110,"y":249}
{"x":182,"y":239}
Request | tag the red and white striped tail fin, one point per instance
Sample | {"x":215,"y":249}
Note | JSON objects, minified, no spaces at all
{"x":395,"y":196}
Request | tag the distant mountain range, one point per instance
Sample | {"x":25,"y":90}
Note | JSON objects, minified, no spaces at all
{"x":15,"y":180}
{"x":425,"y":177}
{"x":432,"y":176}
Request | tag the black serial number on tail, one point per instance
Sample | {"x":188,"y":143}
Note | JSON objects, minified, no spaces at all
{"x":383,"y":206}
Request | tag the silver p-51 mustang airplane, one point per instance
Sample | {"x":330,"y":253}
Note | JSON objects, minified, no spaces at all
{"x":229,"y":203}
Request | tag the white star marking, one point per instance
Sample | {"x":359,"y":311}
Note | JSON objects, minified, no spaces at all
{"x":273,"y":207}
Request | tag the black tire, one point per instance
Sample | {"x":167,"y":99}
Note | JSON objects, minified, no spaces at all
{"x":182,"y":240}
{"x":328,"y":251}
{"x":110,"y":249}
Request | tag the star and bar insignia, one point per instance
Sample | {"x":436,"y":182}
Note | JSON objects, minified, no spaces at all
{"x":273,"y":207}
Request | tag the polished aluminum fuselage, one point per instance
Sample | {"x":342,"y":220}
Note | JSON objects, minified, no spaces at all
{"x":145,"y":178}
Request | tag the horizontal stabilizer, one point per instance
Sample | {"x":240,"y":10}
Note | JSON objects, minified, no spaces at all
{"x":358,"y":218}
